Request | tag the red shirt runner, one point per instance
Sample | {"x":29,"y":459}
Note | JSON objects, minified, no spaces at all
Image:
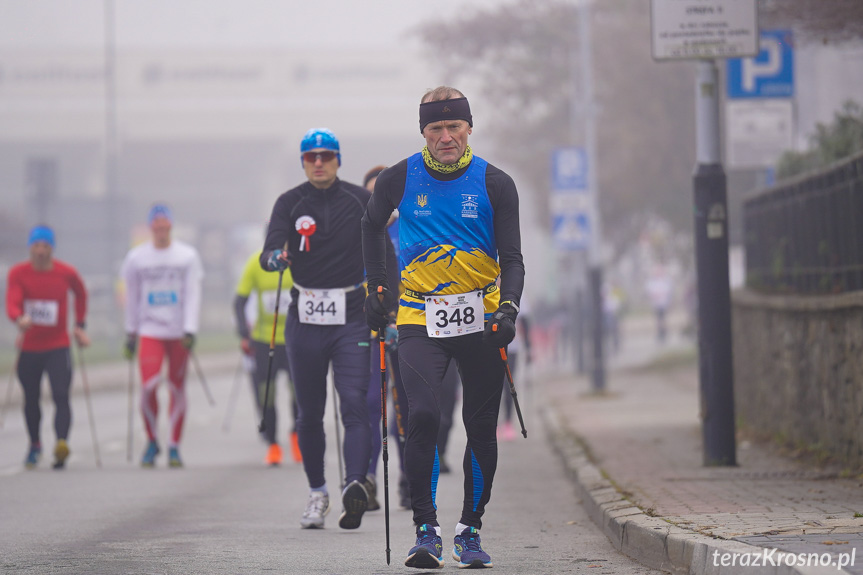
{"x":44,"y":296}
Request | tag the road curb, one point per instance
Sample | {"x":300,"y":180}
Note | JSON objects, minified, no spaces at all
{"x":651,"y":541}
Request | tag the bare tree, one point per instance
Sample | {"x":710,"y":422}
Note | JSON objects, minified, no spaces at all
{"x":826,"y":21}
{"x":525,"y":57}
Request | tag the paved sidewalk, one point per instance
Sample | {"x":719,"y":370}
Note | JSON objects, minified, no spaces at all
{"x":635,"y":454}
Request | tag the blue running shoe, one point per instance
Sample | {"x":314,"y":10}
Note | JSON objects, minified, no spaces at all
{"x":427,"y":553}
{"x":33,"y":456}
{"x":149,"y":458}
{"x":467,"y":550}
{"x":174,"y":458}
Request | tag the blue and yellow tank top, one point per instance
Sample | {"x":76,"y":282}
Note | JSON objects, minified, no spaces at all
{"x":446,"y":238}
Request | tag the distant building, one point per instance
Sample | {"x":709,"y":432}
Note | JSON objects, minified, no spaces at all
{"x":215,"y":133}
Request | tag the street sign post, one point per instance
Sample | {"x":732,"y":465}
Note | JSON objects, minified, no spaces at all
{"x":685,"y":29}
{"x":704,"y":30}
{"x":569,"y":169}
{"x":759,"y":111}
{"x":571,"y":231}
{"x":770,"y":74}
{"x":758,"y":131}
{"x":570,"y":199}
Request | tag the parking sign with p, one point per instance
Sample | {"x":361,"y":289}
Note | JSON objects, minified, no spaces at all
{"x":768,"y":75}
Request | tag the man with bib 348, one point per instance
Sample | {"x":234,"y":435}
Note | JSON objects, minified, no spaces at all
{"x":458,"y":231}
{"x":319,"y":222}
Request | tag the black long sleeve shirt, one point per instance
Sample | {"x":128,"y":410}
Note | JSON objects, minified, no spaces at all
{"x":332,"y":256}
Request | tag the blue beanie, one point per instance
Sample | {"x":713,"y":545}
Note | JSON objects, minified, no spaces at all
{"x":320,"y":138}
{"x":41,"y":234}
{"x":159,"y":211}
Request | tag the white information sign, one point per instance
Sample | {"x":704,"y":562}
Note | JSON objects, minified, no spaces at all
{"x":758,"y":131}
{"x":686,"y":29}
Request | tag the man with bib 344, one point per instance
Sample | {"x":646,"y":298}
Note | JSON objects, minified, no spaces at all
{"x":315,"y":229}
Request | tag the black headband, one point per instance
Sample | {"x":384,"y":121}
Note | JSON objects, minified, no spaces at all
{"x":455,"y":109}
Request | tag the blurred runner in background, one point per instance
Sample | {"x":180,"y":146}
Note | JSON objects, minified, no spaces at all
{"x":37,"y":301}
{"x":163,"y":280}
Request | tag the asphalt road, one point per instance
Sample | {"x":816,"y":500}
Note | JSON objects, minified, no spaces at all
{"x":225,"y":512}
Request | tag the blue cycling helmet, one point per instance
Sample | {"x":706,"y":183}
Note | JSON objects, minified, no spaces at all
{"x":320,"y":138}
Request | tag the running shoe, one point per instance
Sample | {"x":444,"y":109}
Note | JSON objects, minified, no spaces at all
{"x":428,"y":552}
{"x":149,"y":458}
{"x":33,"y":456}
{"x":317,"y":507}
{"x":355,"y":501}
{"x":174,"y":458}
{"x":372,"y":491}
{"x":295,"y":448}
{"x":468,"y":552}
{"x":274,"y":455}
{"x":61,"y":453}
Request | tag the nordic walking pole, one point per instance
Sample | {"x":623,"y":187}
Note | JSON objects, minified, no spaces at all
{"x":272,"y":354}
{"x":384,"y":426}
{"x":89,"y":404}
{"x":131,"y":411}
{"x":232,"y":400}
{"x":338,"y":437}
{"x":511,"y":387}
{"x":202,"y":378}
{"x":8,"y":393}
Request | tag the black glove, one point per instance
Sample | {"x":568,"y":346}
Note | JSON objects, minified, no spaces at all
{"x":500,"y":329}
{"x":130,"y":345}
{"x":189,"y":341}
{"x":377,"y":311}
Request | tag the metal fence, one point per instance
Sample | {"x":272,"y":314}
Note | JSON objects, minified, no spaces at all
{"x":805,"y":235}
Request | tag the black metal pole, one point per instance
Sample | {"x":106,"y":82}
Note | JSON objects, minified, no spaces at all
{"x":598,"y":371}
{"x":716,"y":372}
{"x":578,"y":319}
{"x":714,"y":316}
{"x":385,"y":434}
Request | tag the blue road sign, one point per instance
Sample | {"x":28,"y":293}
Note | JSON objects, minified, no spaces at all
{"x":571,"y":230}
{"x":768,"y":75}
{"x":569,"y":169}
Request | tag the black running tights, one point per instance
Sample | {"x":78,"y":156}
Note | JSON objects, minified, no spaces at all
{"x":424,"y":362}
{"x":58,"y":364}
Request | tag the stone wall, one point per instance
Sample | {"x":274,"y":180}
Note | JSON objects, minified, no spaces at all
{"x":798,"y":370}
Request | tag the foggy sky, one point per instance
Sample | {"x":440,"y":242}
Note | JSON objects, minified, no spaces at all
{"x":222,"y":23}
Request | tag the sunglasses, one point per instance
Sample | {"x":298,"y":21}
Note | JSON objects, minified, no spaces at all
{"x":325,"y":156}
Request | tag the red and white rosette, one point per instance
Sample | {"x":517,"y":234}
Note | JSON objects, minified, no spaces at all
{"x":305,"y":227}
